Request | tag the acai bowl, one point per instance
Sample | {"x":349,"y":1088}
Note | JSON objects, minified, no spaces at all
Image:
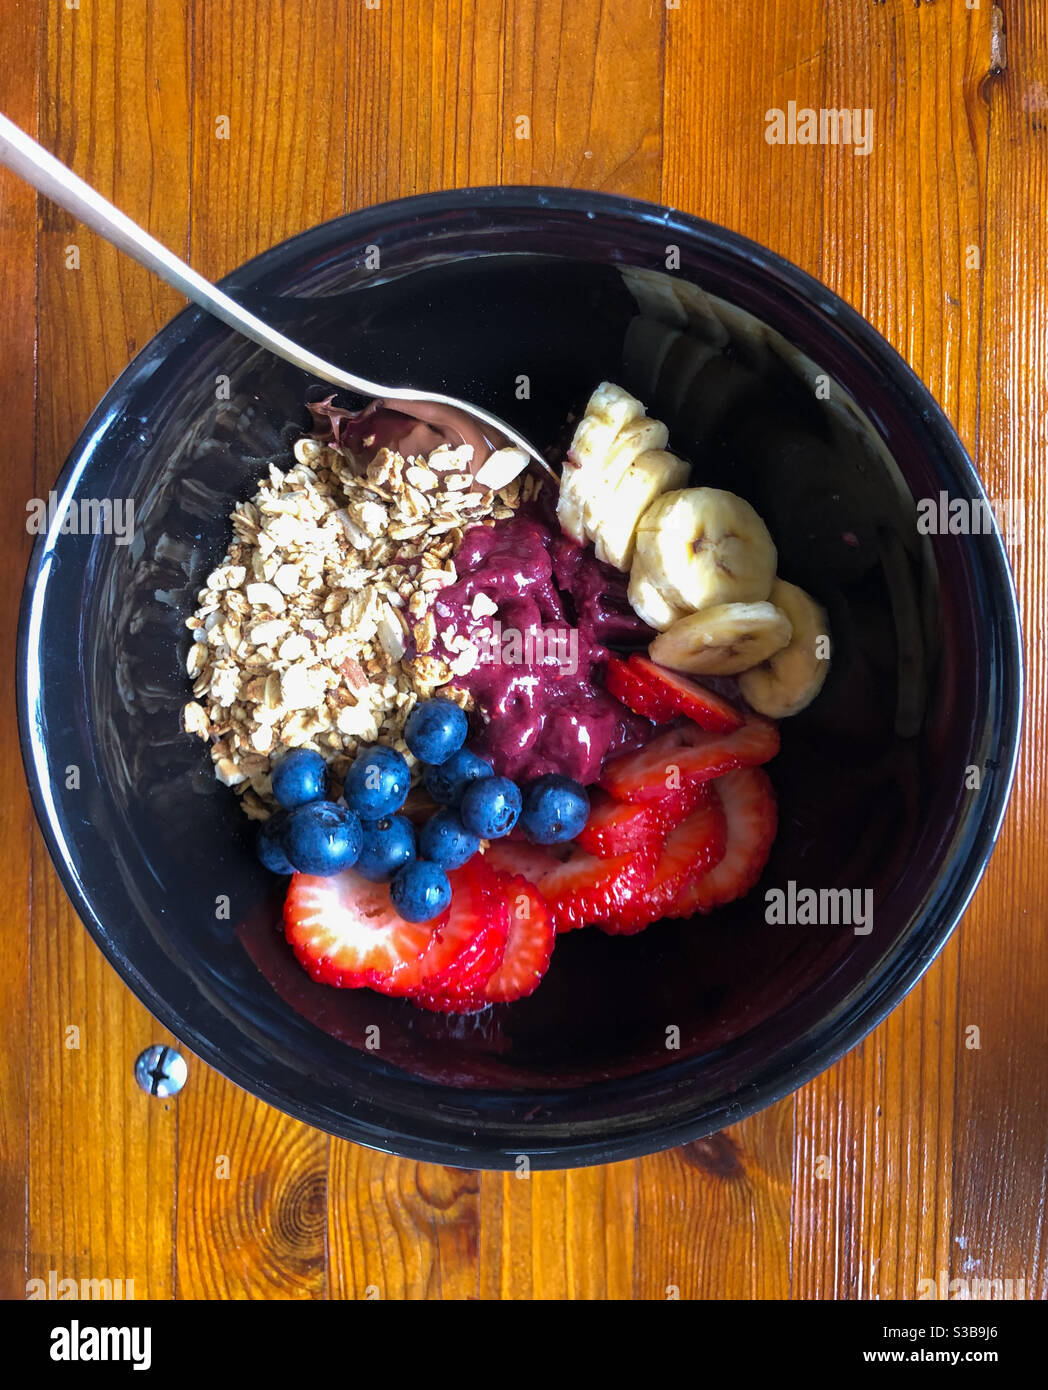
{"x":524,"y":300}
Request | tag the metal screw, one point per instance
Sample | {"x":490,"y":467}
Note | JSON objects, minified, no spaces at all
{"x":161,"y":1071}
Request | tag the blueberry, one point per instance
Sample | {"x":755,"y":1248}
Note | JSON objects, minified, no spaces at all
{"x":322,"y":838}
{"x":490,"y":807}
{"x":300,"y":776}
{"x":420,"y":891}
{"x":388,"y":845}
{"x":377,"y":782}
{"x":435,"y":729}
{"x":270,"y":846}
{"x":446,"y":841}
{"x":447,"y":782}
{"x":555,"y":809}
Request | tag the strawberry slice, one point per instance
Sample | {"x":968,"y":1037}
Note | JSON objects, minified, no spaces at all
{"x":691,"y":850}
{"x":751,"y":813}
{"x":529,"y":946}
{"x":619,"y":827}
{"x":681,"y":695}
{"x":682,"y":756}
{"x":465,"y":951}
{"x":629,"y":686}
{"x":345,"y":932}
{"x":578,"y":887}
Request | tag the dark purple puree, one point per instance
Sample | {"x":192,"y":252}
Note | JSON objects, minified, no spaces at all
{"x":539,"y":685}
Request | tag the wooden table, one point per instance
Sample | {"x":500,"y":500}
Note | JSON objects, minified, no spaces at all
{"x":916,"y":1157}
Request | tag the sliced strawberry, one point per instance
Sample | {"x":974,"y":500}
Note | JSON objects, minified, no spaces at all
{"x":629,"y":686}
{"x":345,"y":932}
{"x":578,"y":887}
{"x":619,"y":827}
{"x":751,"y":813}
{"x":529,"y":944}
{"x":466,"y":949}
{"x":681,"y":695}
{"x":691,"y":850}
{"x":688,"y":754}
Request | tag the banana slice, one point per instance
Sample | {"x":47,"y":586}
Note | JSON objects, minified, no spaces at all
{"x":702,"y":547}
{"x":608,"y":412}
{"x":723,"y":640}
{"x":789,"y":680}
{"x":647,"y":601}
{"x":638,"y":437}
{"x":614,"y":527}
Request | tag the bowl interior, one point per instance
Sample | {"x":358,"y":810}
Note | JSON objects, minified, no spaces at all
{"x":524,"y":306}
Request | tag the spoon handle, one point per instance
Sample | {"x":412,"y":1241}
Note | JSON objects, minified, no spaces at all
{"x":51,"y":177}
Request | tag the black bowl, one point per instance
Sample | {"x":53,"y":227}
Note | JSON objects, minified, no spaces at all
{"x":629,"y":1045}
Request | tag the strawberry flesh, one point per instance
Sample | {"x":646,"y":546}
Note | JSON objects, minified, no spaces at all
{"x":691,"y":849}
{"x":578,"y":887}
{"x":345,"y":932}
{"x":680,"y":695}
{"x":682,"y":756}
{"x":751,"y":814}
{"x":618,"y":827}
{"x":627,"y":685}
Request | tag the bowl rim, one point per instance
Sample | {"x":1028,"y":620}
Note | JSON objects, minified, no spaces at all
{"x":1005,"y":675}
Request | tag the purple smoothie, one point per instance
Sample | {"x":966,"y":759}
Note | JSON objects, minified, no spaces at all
{"x":539,"y":685}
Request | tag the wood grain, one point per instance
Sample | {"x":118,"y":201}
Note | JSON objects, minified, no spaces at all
{"x":917,"y":1154}
{"x":17,"y":397}
{"x":99,"y":1210}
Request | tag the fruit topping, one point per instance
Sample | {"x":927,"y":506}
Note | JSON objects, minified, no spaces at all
{"x":447,"y":782}
{"x":446,"y":841}
{"x":691,"y":849}
{"x":555,"y":809}
{"x":620,"y":827}
{"x":788,"y":680}
{"x":751,"y":814}
{"x":321,"y":838}
{"x":377,"y":782}
{"x":490,"y":807}
{"x":681,"y":756}
{"x":388,"y":845}
{"x":578,"y":887}
{"x":662,"y":695}
{"x":299,"y":776}
{"x":420,"y":890}
{"x":723,"y":640}
{"x":435,"y":730}
{"x":346,"y":932}
{"x":699,"y":547}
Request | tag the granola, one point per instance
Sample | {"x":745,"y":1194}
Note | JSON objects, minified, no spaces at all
{"x":315,"y":630}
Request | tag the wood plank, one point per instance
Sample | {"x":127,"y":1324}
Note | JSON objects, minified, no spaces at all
{"x":252,"y":1197}
{"x":399,"y":1229}
{"x":559,"y":1235}
{"x":599,"y":126}
{"x":18,"y":35}
{"x":999,"y":1229}
{"x":268,"y":160}
{"x":872,"y":1218}
{"x":113,"y":105}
